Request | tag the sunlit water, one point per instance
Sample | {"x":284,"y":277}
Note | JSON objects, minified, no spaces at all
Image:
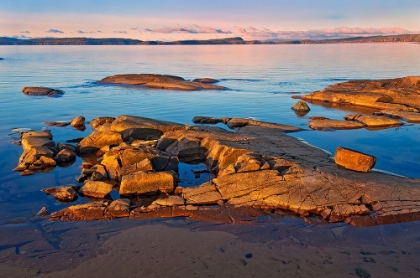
{"x":261,"y":79}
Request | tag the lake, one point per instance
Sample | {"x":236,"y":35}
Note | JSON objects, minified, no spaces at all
{"x":261,"y":80}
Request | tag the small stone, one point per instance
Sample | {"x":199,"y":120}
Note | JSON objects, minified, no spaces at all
{"x":301,"y":106}
{"x":178,"y":190}
{"x":78,"y":121}
{"x":42,"y":212}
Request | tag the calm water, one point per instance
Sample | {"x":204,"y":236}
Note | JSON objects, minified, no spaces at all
{"x":262,"y":79}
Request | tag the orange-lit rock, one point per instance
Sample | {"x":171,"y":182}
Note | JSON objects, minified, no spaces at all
{"x":354,"y":160}
{"x":159,"y":81}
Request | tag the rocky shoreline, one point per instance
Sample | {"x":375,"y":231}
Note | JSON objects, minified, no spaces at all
{"x":257,"y":170}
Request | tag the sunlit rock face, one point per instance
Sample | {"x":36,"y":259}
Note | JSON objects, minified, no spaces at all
{"x":399,"y":93}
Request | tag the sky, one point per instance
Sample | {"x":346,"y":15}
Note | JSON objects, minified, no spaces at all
{"x":168,"y":20}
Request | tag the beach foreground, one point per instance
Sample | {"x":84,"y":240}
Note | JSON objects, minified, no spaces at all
{"x":184,"y":248}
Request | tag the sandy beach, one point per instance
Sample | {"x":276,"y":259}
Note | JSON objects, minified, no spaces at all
{"x":183,"y":248}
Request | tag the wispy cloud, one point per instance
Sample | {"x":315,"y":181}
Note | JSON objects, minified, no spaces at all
{"x":189,"y":29}
{"x":120,"y":32}
{"x":25,"y":32}
{"x":55,"y":31}
{"x":254,"y":33}
{"x":85,"y":32}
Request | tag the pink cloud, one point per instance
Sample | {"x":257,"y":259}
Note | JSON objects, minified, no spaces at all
{"x":254,"y":33}
{"x":189,"y":29}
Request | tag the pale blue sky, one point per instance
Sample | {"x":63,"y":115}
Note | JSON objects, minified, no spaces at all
{"x":187,"y":19}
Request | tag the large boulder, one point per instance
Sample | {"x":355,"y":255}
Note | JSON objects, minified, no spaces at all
{"x":159,"y":81}
{"x":354,"y":160}
{"x":148,"y":182}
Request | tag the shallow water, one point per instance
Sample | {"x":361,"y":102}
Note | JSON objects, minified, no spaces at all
{"x":261,"y":78}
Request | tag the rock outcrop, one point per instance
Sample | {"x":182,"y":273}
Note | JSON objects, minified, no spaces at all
{"x":400,"y":93}
{"x":257,"y":171}
{"x":38,"y":151}
{"x":42,"y":91}
{"x":355,"y":121}
{"x":373,"y":121}
{"x":159,"y":81}
{"x":320,"y":123}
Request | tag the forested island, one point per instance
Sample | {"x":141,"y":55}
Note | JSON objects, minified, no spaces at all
{"x":235,"y":40}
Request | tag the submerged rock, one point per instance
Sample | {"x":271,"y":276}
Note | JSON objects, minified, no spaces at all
{"x":325,"y":124}
{"x":206,"y":80}
{"x":159,"y":81}
{"x":399,"y":93}
{"x":58,"y":123}
{"x":42,"y":212}
{"x":42,"y":91}
{"x":65,"y":193}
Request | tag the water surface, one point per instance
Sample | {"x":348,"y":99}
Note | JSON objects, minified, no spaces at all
{"x":261,"y":79}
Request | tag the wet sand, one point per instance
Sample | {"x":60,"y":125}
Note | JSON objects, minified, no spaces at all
{"x":184,"y":248}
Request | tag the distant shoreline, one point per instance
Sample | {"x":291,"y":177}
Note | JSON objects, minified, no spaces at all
{"x":225,"y":41}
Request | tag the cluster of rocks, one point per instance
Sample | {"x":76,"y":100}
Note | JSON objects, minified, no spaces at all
{"x":257,"y":170}
{"x":395,"y":99}
{"x":159,"y":81}
{"x":41,"y":153}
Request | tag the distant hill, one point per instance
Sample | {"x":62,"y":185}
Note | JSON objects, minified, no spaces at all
{"x":372,"y":39}
{"x":236,"y":40}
